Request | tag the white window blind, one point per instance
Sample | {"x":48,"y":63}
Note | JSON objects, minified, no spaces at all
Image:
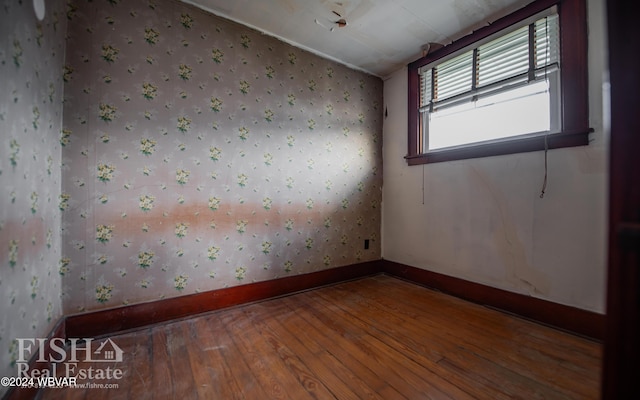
{"x":425,"y":88}
{"x":547,"y":41}
{"x":518,"y":57}
{"x":503,"y":58}
{"x":453,"y":77}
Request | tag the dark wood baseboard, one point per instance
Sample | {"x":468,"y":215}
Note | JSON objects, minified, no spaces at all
{"x":24,"y":393}
{"x":575,"y":320}
{"x":115,"y":320}
{"x":110,"y":321}
{"x":104,"y":322}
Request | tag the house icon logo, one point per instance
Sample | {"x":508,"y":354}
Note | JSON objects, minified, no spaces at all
{"x":108,"y":351}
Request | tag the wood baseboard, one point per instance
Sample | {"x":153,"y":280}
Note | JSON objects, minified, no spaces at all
{"x":104,"y":322}
{"x":110,"y":321}
{"x":575,"y":320}
{"x":115,"y":320}
{"x":23,"y":393}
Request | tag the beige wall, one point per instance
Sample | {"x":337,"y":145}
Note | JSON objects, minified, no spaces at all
{"x":482,"y":219}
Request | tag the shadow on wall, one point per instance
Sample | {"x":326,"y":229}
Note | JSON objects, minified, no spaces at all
{"x":200,"y":154}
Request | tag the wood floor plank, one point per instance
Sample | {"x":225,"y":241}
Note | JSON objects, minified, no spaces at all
{"x":341,"y":378}
{"x":177,"y":349}
{"x":430,"y":354}
{"x":342,"y":350}
{"x":161,"y":378}
{"x":139,"y":376}
{"x":270,"y":370}
{"x":239,"y":365}
{"x":397,"y":372}
{"x":373,"y":338}
{"x":199,"y":365}
{"x":481,"y":336}
{"x":398,"y":356}
{"x":442,"y":348}
{"x":314,"y":388}
{"x":513,"y":343}
{"x":212,"y":344}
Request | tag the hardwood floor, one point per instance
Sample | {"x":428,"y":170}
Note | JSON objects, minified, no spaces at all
{"x":374,"y":338}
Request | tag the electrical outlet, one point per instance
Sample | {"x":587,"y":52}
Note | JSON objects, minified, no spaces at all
{"x":366,"y":244}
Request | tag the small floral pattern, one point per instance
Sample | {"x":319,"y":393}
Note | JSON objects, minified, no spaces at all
{"x":207,"y":156}
{"x":107,"y":112}
{"x":109,"y":53}
{"x":180,"y":282}
{"x":215,"y":153}
{"x":181,"y":230}
{"x":182,"y":176}
{"x":241,"y":272}
{"x":216,"y":104}
{"x":184,"y":123}
{"x":217,"y":55}
{"x":105,"y":172}
{"x":149,"y":91}
{"x":104,"y":233}
{"x":151,"y":35}
{"x":214,"y":203}
{"x":184,"y":71}
{"x":103,"y":292}
{"x":146,"y":202}
{"x":145,"y":259}
{"x":147,"y":146}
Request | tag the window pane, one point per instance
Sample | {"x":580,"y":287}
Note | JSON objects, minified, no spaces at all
{"x":449,"y":127}
{"x":512,"y":113}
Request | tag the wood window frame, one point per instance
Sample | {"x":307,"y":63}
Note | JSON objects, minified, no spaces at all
{"x":573,"y":91}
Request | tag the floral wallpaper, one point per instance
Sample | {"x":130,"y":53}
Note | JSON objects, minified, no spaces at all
{"x":199,"y":154}
{"x":31,"y":88}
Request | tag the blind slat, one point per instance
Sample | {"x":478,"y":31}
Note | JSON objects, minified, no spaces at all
{"x":547,"y":43}
{"x":454,"y":76}
{"x":497,"y":61}
{"x":504,"y":57}
{"x":425,"y":88}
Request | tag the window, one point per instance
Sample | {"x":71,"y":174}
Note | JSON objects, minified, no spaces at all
{"x":512,"y":78}
{"x":517,"y":85}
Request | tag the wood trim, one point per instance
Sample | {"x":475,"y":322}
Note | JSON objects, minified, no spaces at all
{"x":496,"y":26}
{"x":110,"y":321}
{"x":574,"y":87}
{"x":16,"y":393}
{"x":622,"y":348}
{"x":575,"y":320}
{"x":115,"y":320}
{"x":574,"y":79}
{"x":103,"y":322}
{"x":413,"y":86}
{"x":509,"y":146}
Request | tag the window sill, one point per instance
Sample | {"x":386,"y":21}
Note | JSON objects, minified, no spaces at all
{"x":508,"y":146}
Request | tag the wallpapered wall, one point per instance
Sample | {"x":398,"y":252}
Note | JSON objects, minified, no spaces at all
{"x":199,"y":154}
{"x":31,"y":87}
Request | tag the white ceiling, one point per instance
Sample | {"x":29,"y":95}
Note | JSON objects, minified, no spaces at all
{"x":381,"y":36}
